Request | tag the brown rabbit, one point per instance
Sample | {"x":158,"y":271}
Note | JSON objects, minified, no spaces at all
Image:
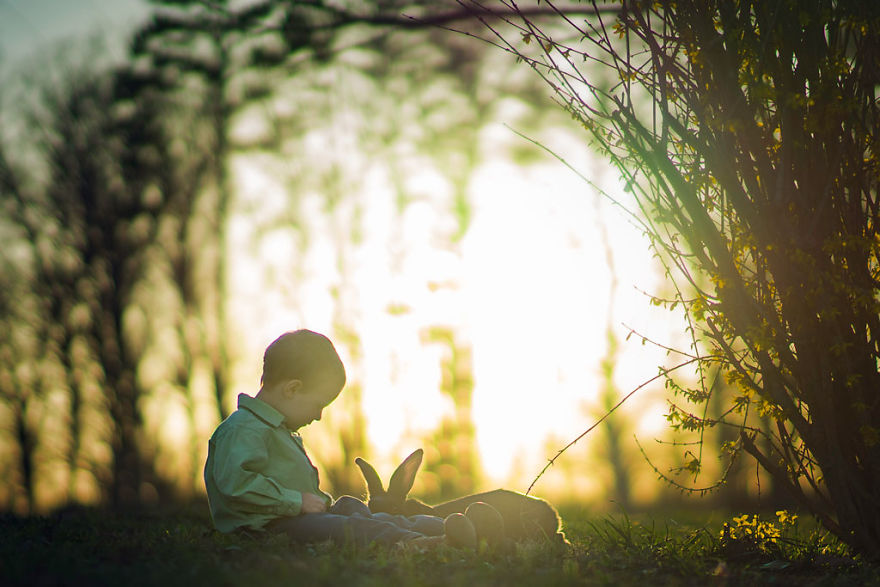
{"x":524,"y":516}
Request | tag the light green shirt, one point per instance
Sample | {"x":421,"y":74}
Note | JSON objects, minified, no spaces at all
{"x":257,"y":469}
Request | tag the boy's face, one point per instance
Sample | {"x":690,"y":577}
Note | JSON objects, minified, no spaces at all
{"x":301,"y":404}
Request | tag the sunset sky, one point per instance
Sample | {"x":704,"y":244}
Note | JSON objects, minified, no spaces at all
{"x":27,"y":25}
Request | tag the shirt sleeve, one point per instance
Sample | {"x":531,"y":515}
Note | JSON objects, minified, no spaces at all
{"x":239,"y":458}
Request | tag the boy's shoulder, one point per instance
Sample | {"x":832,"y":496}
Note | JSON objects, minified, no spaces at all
{"x":239,"y":421}
{"x":253,"y":416}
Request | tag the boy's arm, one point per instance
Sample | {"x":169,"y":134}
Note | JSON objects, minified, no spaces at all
{"x":237,"y":466}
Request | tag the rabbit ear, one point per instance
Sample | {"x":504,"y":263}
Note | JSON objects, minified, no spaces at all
{"x":405,"y":475}
{"x":374,"y":484}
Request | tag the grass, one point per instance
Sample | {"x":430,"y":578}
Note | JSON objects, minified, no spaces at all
{"x":89,"y":547}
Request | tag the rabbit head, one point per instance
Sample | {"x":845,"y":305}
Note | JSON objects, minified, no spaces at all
{"x":393,"y":501}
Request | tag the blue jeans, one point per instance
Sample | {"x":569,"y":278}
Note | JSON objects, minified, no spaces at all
{"x":350,"y":520}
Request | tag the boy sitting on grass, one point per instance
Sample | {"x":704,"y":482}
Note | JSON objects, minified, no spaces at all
{"x":259,"y":477}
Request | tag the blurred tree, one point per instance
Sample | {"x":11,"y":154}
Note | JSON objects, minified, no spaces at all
{"x":747,"y":132}
{"x":185,"y":51}
{"x":614,"y":425}
{"x":455,"y":463}
{"x":125,"y":206}
{"x":17,"y":387}
{"x":84,"y":228}
{"x":236,"y":60}
{"x":614,"y":448}
{"x":216,"y":61}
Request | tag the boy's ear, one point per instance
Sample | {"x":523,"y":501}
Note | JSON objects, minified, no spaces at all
{"x":291,"y":387}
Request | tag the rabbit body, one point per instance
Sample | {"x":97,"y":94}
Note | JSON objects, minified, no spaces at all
{"x":524,"y":516}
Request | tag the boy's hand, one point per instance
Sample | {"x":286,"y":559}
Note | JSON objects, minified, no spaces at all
{"x":313,"y":504}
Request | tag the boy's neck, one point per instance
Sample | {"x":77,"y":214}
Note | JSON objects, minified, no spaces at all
{"x":269,"y":396}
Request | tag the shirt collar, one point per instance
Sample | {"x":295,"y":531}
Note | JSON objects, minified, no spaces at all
{"x":261,"y":410}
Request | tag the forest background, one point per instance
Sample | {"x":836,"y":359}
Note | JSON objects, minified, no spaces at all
{"x":231,"y":172}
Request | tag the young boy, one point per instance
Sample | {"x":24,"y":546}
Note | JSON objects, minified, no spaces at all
{"x":259,"y":477}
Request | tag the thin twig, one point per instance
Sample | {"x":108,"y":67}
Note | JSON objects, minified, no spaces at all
{"x":663,"y":373}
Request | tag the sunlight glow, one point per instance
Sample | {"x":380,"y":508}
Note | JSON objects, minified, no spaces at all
{"x":527,"y":289}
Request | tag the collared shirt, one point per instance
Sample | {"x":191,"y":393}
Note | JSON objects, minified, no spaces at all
{"x":257,"y":469}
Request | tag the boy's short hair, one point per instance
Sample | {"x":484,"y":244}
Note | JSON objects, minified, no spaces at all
{"x":301,"y":354}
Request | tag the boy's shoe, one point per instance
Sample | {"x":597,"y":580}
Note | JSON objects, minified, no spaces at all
{"x":487,"y":522}
{"x":460,"y":531}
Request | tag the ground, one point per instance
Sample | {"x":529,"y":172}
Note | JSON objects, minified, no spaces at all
{"x":177,"y":546}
